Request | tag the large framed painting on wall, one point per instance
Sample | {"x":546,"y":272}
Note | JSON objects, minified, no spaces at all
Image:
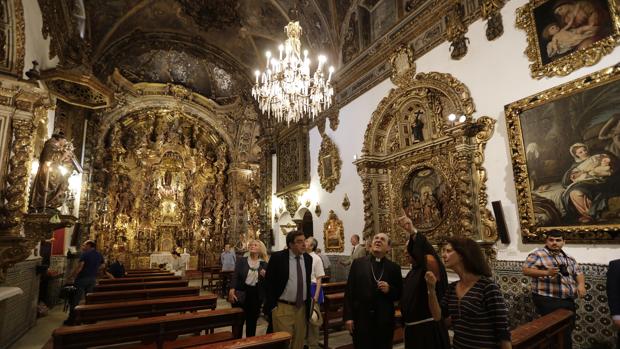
{"x":565,"y":35}
{"x":565,"y":145}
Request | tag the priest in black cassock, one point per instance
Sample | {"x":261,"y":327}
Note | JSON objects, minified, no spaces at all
{"x":374,"y":284}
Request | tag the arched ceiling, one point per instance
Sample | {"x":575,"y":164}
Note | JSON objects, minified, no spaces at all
{"x":211,"y":46}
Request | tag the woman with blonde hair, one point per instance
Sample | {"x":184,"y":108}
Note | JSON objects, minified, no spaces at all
{"x":247,"y":285}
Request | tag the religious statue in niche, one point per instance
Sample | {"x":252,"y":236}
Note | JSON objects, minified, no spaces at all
{"x":424,"y":197}
{"x":417,"y":125}
{"x":333,"y":233}
{"x":412,"y":126}
{"x":125,"y":198}
{"x":56,"y":163}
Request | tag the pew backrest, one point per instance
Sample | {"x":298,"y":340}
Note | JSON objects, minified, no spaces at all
{"x":117,"y":296}
{"x":153,"y":329}
{"x":91,"y":313}
{"x":132,"y":279}
{"x":334,"y":287}
{"x":276,"y":340}
{"x":543,"y":331}
{"x":141,"y":285}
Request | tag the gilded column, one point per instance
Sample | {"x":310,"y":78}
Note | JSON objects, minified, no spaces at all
{"x":13,"y":246}
{"x":11,"y":218}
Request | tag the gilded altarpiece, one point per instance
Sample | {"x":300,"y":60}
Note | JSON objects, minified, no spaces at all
{"x":422,"y":156}
{"x":162,"y":184}
{"x":173,"y":169}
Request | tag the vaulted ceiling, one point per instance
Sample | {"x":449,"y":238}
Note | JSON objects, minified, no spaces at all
{"x":212,"y":46}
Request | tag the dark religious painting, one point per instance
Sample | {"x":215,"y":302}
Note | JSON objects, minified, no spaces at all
{"x":424,"y":195}
{"x":569,"y":140}
{"x":565,"y":26}
{"x":564,"y":35}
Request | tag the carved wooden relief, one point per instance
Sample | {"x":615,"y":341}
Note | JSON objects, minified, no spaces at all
{"x":12,"y":37}
{"x":423,"y":155}
{"x":293,"y":160}
{"x":329,"y":164}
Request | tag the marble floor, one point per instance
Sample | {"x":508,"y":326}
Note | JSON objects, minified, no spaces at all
{"x":41,"y":333}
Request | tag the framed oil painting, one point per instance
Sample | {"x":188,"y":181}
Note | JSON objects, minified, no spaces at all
{"x":565,"y":35}
{"x":565,"y":145}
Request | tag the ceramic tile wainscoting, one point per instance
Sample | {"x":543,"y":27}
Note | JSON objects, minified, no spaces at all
{"x":594,"y":327}
{"x":19,"y":313}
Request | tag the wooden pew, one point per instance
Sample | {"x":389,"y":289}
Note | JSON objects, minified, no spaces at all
{"x":142,"y":270}
{"x":216,"y":280}
{"x":161,"y":273}
{"x":153,"y":329}
{"x":141,"y":285}
{"x":334,"y":287}
{"x":91,"y":313}
{"x":126,"y":280}
{"x":277,"y":340}
{"x":118,"y":296}
{"x":547,"y":331}
{"x":332,"y":309}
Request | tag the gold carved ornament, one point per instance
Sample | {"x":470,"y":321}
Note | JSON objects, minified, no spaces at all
{"x":12,"y":40}
{"x":490,"y":10}
{"x":530,"y":231}
{"x":456,"y":28}
{"x":345,"y":202}
{"x":329,"y":164}
{"x":333,"y":233}
{"x":579,"y":58}
{"x":452,"y":150}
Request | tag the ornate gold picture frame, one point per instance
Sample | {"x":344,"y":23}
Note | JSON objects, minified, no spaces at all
{"x":565,"y":145}
{"x":329,"y":164}
{"x":333,"y":233}
{"x":565,"y":35}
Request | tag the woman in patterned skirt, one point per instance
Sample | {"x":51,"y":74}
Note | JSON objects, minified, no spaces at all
{"x":473,"y":306}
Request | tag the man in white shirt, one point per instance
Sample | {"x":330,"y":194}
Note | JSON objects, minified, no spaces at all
{"x":315,"y":289}
{"x":326,"y":263}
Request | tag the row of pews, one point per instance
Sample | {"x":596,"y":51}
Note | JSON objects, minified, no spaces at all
{"x":151,"y":308}
{"x":547,"y":331}
{"x":155,"y":309}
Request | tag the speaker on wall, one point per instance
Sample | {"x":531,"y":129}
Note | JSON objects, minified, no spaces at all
{"x":502,"y":230}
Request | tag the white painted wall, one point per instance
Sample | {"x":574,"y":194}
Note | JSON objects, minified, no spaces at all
{"x":37,"y":48}
{"x":497,"y":73}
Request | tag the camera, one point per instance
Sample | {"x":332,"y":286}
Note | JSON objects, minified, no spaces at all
{"x":563,"y":269}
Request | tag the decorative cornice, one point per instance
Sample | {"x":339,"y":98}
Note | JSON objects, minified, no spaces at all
{"x":423,"y":29}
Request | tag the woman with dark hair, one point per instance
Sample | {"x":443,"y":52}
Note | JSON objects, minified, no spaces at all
{"x":421,"y":329}
{"x":473,"y":306}
{"x":246,"y":287}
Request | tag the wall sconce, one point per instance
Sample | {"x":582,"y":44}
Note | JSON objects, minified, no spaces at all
{"x":317,"y":210}
{"x":454,"y":119}
{"x":346,"y":203}
{"x":308,"y":197}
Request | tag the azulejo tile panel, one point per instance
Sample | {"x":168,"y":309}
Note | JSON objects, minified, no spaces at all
{"x":593,"y":328}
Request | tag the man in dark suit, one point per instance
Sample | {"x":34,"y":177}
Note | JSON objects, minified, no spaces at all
{"x":374,"y":284}
{"x":613,"y":295}
{"x":288,"y":288}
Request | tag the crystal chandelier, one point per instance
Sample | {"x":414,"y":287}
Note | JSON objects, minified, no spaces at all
{"x":286,"y":90}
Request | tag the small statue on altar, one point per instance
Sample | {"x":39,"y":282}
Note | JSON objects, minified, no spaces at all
{"x":56,"y":163}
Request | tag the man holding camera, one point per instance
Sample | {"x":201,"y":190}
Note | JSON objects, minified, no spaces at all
{"x":557,"y":279}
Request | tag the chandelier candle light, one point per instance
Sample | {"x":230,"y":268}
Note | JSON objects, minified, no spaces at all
{"x":285,"y":89}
